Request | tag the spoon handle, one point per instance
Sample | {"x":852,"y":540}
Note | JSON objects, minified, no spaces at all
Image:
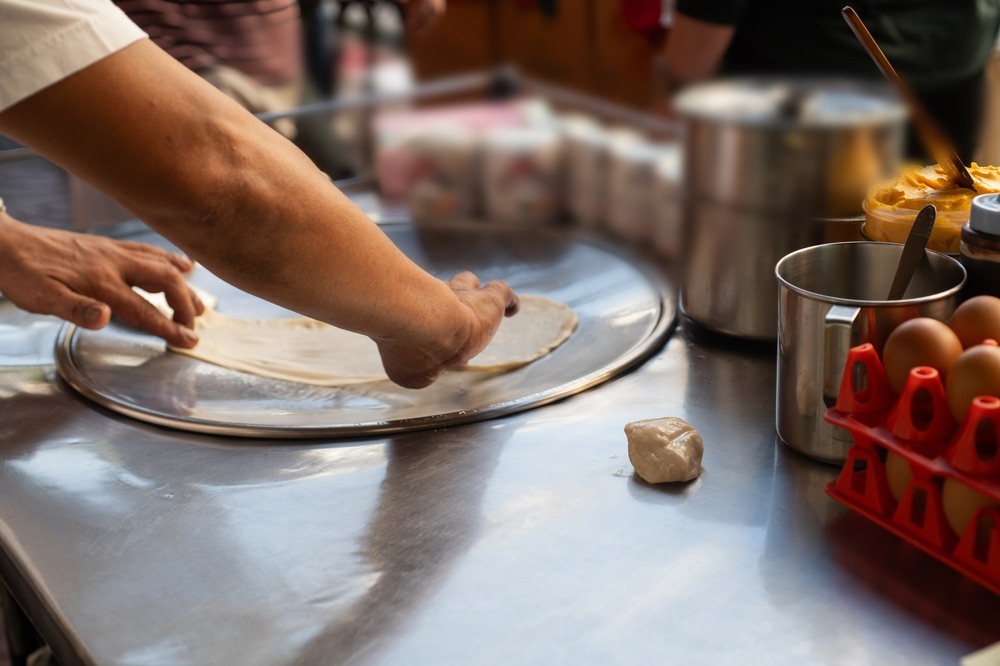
{"x":930,"y":134}
{"x":913,"y":251}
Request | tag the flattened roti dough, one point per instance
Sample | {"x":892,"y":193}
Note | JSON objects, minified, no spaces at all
{"x":304,"y":350}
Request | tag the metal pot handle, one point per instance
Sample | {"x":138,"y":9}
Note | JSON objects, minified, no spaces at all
{"x":839,"y":335}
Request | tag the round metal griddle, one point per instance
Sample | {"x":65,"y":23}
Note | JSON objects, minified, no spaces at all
{"x":626,"y":312}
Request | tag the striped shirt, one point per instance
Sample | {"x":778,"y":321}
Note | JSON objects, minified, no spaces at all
{"x":260,"y":38}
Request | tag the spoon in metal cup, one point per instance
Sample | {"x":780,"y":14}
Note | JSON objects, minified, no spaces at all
{"x":913,"y":251}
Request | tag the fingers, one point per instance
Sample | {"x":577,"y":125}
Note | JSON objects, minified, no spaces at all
{"x":180,"y":262}
{"x":52,"y":298}
{"x":199,"y":305}
{"x":498,"y":289}
{"x":136,"y":311}
{"x":154,"y":270}
{"x":511,"y":303}
{"x":92,"y":313}
{"x":181,"y":299}
{"x":448,"y":342}
{"x":83,"y":279}
{"x":464,"y":280}
{"x":132,"y":308}
{"x":488,"y":305}
{"x":501,"y":296}
{"x":82,"y":311}
{"x":159,"y":276}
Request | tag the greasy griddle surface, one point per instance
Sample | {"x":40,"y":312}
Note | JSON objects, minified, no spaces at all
{"x":626,"y":312}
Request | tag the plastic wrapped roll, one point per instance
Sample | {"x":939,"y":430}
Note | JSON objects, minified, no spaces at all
{"x":442,"y":174}
{"x":522,"y":174}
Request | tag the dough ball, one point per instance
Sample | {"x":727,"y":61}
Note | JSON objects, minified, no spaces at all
{"x":665,"y":449}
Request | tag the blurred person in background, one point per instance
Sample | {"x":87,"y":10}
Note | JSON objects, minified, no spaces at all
{"x":939,"y":48}
{"x":83,"y":86}
{"x":268,"y":55}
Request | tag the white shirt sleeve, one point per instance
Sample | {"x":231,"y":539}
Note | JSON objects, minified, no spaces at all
{"x":44,"y":41}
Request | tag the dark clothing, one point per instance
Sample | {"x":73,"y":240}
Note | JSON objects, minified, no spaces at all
{"x":939,"y":47}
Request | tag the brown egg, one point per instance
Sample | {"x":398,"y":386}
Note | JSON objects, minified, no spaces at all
{"x":975,"y":372}
{"x":977,"y":319}
{"x":897,"y":473}
{"x":915,"y":342}
{"x":961,"y":503}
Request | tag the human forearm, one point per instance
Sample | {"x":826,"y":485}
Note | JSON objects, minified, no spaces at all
{"x":229,"y":191}
{"x":693,"y":50}
{"x":421,"y":14}
{"x":246,"y":203}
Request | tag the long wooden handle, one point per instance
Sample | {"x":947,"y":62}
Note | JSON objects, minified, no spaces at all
{"x":930,"y":134}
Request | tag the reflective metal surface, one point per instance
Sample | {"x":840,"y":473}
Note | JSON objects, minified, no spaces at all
{"x":520,"y":540}
{"x":625,"y":313}
{"x":26,"y":338}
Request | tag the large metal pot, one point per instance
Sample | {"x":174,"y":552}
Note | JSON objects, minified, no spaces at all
{"x":770,"y":166}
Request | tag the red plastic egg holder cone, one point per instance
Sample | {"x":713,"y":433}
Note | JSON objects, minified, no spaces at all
{"x":921,"y":415}
{"x":875,"y":395}
{"x":978,"y":551}
{"x":862,"y":479}
{"x":975,"y":448}
{"x":920,"y":511}
{"x":974,"y":452}
{"x":922,"y":422}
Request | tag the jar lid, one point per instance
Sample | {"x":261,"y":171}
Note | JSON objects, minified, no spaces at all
{"x":985,"y":214}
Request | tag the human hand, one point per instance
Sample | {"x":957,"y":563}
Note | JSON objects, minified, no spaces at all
{"x":421,"y":14}
{"x":415,"y":363}
{"x":83,"y":279}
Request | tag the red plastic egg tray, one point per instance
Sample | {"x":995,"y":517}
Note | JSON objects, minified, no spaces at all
{"x":917,"y":428}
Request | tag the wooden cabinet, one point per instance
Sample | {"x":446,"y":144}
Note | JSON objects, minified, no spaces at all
{"x":464,"y":40}
{"x":556,"y":48}
{"x":582,"y":44}
{"x":624,"y":58}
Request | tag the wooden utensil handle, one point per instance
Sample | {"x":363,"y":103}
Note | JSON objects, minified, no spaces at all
{"x":933,"y":138}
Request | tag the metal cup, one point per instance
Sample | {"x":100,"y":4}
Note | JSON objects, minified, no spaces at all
{"x":833,"y":297}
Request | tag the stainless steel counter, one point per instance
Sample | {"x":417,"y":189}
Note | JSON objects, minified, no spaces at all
{"x":520,"y":540}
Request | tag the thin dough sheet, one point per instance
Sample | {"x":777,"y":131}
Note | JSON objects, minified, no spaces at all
{"x":304,"y":350}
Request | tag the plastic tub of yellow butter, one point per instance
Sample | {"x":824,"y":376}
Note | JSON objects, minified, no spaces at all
{"x":891,"y":207}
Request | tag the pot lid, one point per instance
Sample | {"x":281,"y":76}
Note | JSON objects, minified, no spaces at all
{"x":782,"y":102}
